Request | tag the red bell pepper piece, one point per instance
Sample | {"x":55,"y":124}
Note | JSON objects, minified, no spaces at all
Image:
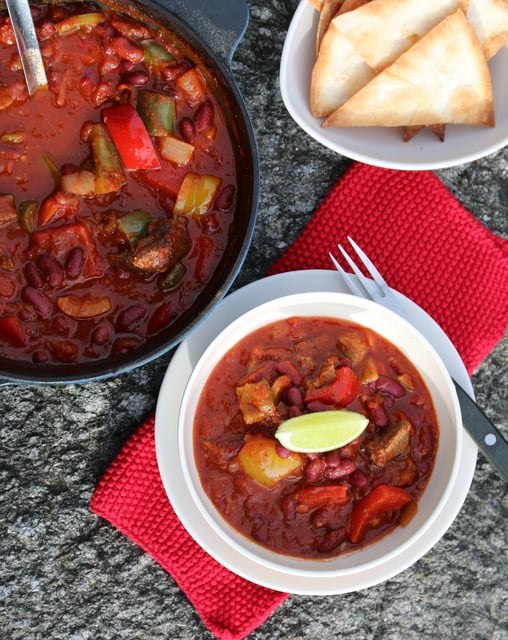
{"x":374,"y":506}
{"x":341,"y":392}
{"x":320,"y":496}
{"x":131,"y":138}
{"x":11,"y":330}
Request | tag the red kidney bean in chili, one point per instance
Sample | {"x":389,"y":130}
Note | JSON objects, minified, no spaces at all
{"x":118,"y":185}
{"x":320,"y":504}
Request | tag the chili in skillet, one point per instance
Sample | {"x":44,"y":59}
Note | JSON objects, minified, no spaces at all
{"x":117,"y":186}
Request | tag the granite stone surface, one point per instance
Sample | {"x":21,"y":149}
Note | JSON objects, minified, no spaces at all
{"x":67,"y":574}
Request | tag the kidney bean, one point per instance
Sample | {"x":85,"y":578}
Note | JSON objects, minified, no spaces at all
{"x":124,"y":344}
{"x":389,"y":402}
{"x":332,"y":458}
{"x":224,"y":200}
{"x":281,"y":451}
{"x":35,"y":12}
{"x":52,"y":269}
{"x":74,"y":262}
{"x":130,"y":315}
{"x":33,"y":276}
{"x":376,"y":412}
{"x":136,"y":78}
{"x":294,"y":397}
{"x":203,"y":117}
{"x":102,"y":333}
{"x":46,"y":29}
{"x":358,"y":479}
{"x":349,"y":451}
{"x":65,"y":351}
{"x":40,"y":303}
{"x":187,"y":130}
{"x":389,"y":386}
{"x":40,"y":356}
{"x":289,"y":368}
{"x":314,"y":470}
{"x":341,"y":471}
{"x":293,"y":411}
{"x":130,"y":28}
{"x":103,"y":92}
{"x":127,"y":50}
{"x":110,"y":63}
{"x":288,"y":507}
{"x":173,"y":71}
{"x":54,"y":81}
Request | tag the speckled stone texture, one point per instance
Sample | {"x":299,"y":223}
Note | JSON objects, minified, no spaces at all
{"x":67,"y":574}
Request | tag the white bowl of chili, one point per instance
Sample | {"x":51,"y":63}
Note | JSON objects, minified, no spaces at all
{"x":335,"y":512}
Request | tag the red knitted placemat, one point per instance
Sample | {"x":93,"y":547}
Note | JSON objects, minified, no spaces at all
{"x":428,"y":247}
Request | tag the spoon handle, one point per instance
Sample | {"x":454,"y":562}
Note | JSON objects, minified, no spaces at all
{"x":28,"y":45}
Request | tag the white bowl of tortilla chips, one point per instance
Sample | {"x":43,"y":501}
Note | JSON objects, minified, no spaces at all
{"x":393,"y":84}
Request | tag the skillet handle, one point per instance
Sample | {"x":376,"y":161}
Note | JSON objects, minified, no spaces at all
{"x":220,"y":23}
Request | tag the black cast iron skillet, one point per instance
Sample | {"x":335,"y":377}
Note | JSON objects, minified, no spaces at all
{"x":213,"y":29}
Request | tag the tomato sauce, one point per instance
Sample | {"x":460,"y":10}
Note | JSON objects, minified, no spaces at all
{"x":97,"y":251}
{"x":316,"y":504}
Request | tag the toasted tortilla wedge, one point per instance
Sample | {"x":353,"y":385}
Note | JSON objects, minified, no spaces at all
{"x":381,"y":30}
{"x":489,"y":19}
{"x":437,"y":129}
{"x":338,"y":73}
{"x":443,"y":78}
{"x":329,"y":9}
{"x":351,"y":5}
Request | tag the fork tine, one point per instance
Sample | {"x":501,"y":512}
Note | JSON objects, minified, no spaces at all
{"x":369,"y":265}
{"x":364,"y":282}
{"x":384,"y":294}
{"x":352,"y":284}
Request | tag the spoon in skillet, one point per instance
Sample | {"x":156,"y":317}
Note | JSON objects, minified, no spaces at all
{"x":28,"y":45}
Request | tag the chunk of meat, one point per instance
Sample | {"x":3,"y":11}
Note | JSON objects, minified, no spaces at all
{"x":353,"y":345}
{"x":391,"y":442}
{"x":167,"y":242}
{"x":256,"y":402}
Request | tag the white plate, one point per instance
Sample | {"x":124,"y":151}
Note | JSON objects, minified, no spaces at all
{"x":166,"y":443}
{"x":383,"y":146}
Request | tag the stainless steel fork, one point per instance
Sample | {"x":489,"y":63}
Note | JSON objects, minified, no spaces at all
{"x":488,"y":438}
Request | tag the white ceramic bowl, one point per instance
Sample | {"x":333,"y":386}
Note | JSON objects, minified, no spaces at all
{"x":436,"y":377}
{"x":383,"y":146}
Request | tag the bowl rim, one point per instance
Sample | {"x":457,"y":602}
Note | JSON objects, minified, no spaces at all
{"x":311,"y":567}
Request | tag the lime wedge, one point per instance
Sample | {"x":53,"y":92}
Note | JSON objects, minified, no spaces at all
{"x":321,"y":431}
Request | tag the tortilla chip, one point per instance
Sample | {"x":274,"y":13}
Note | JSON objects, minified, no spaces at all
{"x":329,"y":9}
{"x":489,"y":19}
{"x":443,"y":78}
{"x":339,"y":72}
{"x":317,"y":4}
{"x":383,"y":29}
{"x":351,"y":5}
